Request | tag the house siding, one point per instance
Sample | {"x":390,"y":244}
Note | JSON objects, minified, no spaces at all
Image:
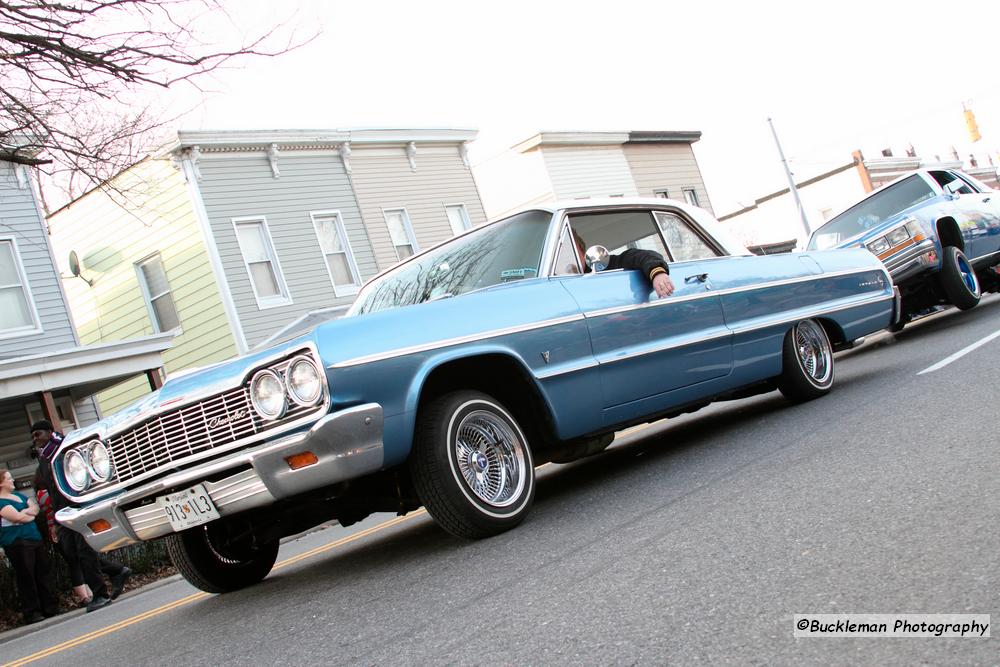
{"x":109,"y":239}
{"x":240,"y":185}
{"x":384,"y":179}
{"x":20,"y":221}
{"x":670,"y":166}
{"x":588,"y":171}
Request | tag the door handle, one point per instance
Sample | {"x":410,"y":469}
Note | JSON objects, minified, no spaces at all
{"x":986,"y":199}
{"x":697,"y":278}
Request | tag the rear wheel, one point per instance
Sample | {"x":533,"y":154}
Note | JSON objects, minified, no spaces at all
{"x":958,"y":279}
{"x":471,"y":465}
{"x":215,"y":565}
{"x":807,"y":362}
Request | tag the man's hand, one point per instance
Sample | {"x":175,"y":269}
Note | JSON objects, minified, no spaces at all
{"x":663,"y":285}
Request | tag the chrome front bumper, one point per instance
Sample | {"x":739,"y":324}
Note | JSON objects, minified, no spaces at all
{"x":347,"y":443}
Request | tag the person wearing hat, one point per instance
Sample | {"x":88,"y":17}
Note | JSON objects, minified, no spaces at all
{"x":79,"y":555}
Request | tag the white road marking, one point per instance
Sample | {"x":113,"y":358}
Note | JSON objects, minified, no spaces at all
{"x":961,"y":353}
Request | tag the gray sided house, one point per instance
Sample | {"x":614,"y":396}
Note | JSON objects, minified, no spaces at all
{"x":44,"y":372}
{"x":298,"y":220}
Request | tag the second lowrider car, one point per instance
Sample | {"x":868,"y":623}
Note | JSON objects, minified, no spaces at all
{"x":938,"y":232}
{"x":453,"y":375}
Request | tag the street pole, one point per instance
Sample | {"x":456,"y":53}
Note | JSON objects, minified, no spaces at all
{"x":791,"y":182}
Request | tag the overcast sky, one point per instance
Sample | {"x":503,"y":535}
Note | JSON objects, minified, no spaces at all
{"x":834,"y":76}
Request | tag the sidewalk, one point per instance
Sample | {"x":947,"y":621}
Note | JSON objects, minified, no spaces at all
{"x":24,"y":630}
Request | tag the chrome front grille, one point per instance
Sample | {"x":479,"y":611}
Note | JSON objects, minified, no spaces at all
{"x":173,"y":436}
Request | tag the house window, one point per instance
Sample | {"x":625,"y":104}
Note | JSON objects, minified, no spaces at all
{"x":661,"y":193}
{"x":64,"y":409}
{"x":261,"y":262}
{"x":337,"y":251}
{"x":156,"y":291}
{"x":690,"y":196}
{"x":401,"y":232}
{"x":17,"y":312}
{"x":458,"y":218}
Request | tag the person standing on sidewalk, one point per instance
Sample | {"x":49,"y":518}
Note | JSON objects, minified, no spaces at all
{"x":22,"y":543}
{"x":72,"y":545}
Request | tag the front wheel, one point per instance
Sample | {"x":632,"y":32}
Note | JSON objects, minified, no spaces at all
{"x":807,"y":362}
{"x":471,"y":465}
{"x":958,"y":279}
{"x":214,"y":565}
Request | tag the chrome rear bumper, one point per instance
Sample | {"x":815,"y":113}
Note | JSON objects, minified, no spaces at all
{"x":347,"y":444}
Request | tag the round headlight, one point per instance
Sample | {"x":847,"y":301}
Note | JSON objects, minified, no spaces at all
{"x":100,"y":462}
{"x":267,"y":393}
{"x":76,"y":471}
{"x":304,"y":383}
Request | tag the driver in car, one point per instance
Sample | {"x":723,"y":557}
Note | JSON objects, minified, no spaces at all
{"x":650,"y":263}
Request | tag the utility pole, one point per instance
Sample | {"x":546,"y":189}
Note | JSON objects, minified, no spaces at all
{"x":791,"y":182}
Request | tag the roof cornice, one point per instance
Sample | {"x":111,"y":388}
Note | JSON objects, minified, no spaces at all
{"x":236,"y":139}
{"x":572,"y":139}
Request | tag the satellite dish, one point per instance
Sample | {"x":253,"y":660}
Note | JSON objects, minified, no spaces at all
{"x":74,"y":263}
{"x":74,"y":267}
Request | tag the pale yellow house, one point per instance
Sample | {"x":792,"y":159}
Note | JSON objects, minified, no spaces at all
{"x":223,"y":238}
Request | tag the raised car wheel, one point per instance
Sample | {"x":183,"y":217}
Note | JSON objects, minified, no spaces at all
{"x":206,"y":564}
{"x":958,"y":279}
{"x":807,"y":362}
{"x":471,"y":465}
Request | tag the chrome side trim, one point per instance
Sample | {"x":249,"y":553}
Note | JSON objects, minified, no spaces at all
{"x":459,"y":340}
{"x":807,"y":313}
{"x":732,"y":290}
{"x":575,"y":368}
{"x":681,"y":341}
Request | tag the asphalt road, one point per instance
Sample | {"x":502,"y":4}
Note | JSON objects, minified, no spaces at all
{"x":693,"y":540}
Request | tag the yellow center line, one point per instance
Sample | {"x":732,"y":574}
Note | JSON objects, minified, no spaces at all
{"x":90,"y":636}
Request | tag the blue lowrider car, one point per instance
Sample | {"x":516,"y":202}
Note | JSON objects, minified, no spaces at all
{"x":454,"y":374}
{"x":938,"y":232}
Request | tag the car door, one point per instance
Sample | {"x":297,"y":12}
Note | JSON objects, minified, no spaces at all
{"x":651,"y":352}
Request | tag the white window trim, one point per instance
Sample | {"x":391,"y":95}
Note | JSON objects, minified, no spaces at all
{"x":148,"y":298}
{"x":465,"y":215}
{"x":263,"y":303}
{"x":694,"y":196}
{"x":36,"y":328}
{"x":407,"y":227}
{"x":343,"y":290}
{"x":661,"y":193}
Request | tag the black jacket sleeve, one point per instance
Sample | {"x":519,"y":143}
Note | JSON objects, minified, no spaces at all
{"x":647,"y":261}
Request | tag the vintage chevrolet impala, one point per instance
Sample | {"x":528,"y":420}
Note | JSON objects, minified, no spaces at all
{"x":454,"y":374}
{"x":938,"y":232}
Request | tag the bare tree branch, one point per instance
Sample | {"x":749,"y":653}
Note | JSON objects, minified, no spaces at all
{"x":73,"y":75}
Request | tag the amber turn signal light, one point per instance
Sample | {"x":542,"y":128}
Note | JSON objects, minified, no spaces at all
{"x":100,"y":525}
{"x":301,"y":460}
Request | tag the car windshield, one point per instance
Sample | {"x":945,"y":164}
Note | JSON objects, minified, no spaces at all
{"x":498,"y":253}
{"x":870,"y":212}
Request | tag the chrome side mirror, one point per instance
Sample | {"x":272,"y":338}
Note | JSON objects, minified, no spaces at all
{"x":597,"y":258}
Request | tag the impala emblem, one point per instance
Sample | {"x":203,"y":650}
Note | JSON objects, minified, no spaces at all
{"x":225,"y":420}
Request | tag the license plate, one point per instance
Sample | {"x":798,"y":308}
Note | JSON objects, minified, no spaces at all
{"x":188,"y":508}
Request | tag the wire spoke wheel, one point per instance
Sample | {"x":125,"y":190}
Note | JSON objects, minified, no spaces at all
{"x":490,"y":457}
{"x":806,"y":362}
{"x":814,"y":351}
